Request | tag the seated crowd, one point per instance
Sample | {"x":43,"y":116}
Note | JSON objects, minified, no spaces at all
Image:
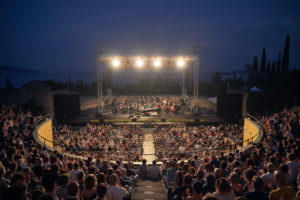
{"x":30,"y":171}
{"x":106,"y":141}
{"x":173,"y":140}
{"x":270,"y":170}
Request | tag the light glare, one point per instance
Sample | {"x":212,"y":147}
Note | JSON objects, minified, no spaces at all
{"x":157,"y":63}
{"x":139,"y":63}
{"x":116,"y":63}
{"x":180,"y":63}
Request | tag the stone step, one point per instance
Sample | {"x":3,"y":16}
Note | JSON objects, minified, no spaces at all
{"x":157,"y":196}
{"x":153,"y":183}
{"x":155,"y":189}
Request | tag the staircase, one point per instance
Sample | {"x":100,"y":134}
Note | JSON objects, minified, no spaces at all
{"x":149,"y":190}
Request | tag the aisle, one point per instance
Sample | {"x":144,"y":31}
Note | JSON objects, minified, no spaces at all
{"x":148,"y":145}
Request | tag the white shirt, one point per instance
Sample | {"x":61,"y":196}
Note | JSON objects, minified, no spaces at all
{"x":117,"y":192}
{"x":181,"y":149}
{"x":154,"y":172}
{"x":73,"y":174}
{"x":268,"y":177}
{"x":293,"y":168}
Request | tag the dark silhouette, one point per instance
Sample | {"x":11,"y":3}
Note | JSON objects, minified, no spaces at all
{"x":255,"y":64}
{"x":263,"y":61}
{"x":286,"y":54}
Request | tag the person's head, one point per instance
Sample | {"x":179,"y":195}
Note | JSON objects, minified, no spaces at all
{"x":200,"y":174}
{"x":279,"y":178}
{"x":223,"y":165}
{"x":197,"y":187}
{"x":154,"y":162}
{"x":292,"y":156}
{"x":249,"y":174}
{"x":63,"y":180}
{"x":101,"y":178}
{"x":188,"y":179}
{"x":284,"y":168}
{"x":18,"y":190}
{"x":113,"y":179}
{"x":90,"y":181}
{"x":101,"y":190}
{"x":234,"y":178}
{"x":210,"y":179}
{"x":257,"y":183}
{"x":217,"y":172}
{"x":70,"y":165}
{"x":37,"y":192}
{"x":144,"y":161}
{"x":270,"y":167}
{"x":80,"y":175}
{"x":73,"y":189}
{"x":223,"y":186}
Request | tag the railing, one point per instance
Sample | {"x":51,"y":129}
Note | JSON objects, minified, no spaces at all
{"x":37,"y":136}
{"x":251,"y":142}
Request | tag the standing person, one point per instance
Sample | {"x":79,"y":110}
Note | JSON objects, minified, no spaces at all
{"x":154,"y":171}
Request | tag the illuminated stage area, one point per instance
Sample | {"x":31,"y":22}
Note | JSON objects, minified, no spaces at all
{"x":139,"y":62}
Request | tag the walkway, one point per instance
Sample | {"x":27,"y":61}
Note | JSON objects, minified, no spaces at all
{"x":148,"y":145}
{"x":149,"y":190}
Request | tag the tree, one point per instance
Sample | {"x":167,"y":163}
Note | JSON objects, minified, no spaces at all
{"x":255,"y":64}
{"x":279,"y":62}
{"x":273,"y":66}
{"x":286,"y":54}
{"x":263,"y":61}
{"x":8,"y":85}
{"x":268,"y":67}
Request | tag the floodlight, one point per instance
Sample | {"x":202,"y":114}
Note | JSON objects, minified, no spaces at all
{"x":139,"y":63}
{"x":116,"y":63}
{"x":180,"y":63}
{"x":157,"y":63}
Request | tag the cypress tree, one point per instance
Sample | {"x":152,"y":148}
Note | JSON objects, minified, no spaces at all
{"x":273,"y":66}
{"x":255,"y":64}
{"x":279,"y":62}
{"x":286,"y":54}
{"x":268,"y":67}
{"x":263,"y":61}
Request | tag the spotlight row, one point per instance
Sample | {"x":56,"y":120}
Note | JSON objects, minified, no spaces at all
{"x":139,"y":63}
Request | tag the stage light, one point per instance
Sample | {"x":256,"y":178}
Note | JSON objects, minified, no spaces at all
{"x":116,"y":63}
{"x":139,"y":63}
{"x":157,"y":63}
{"x":180,"y":63}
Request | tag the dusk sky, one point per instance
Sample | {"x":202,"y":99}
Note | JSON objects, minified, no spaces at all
{"x":55,"y":35}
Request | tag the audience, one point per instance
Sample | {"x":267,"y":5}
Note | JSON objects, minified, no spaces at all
{"x":210,"y":164}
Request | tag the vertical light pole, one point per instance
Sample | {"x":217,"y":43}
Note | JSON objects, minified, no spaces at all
{"x":196,"y":71}
{"x":99,"y":78}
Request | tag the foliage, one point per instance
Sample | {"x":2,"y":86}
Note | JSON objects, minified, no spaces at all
{"x":286,"y":54}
